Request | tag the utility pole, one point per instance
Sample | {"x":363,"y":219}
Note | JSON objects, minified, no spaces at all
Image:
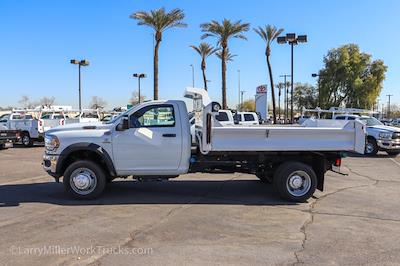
{"x":238,"y":89}
{"x":388,"y":111}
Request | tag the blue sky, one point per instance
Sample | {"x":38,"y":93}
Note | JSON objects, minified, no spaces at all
{"x":38,"y":38}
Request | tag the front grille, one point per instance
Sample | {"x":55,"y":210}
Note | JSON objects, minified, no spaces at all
{"x":396,"y":135}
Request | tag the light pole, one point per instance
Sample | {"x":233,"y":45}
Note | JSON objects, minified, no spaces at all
{"x":139,"y":76}
{"x":314,"y":75}
{"x":192,"y":74}
{"x":241,"y":104}
{"x":292,"y":40}
{"x":388,"y":109}
{"x":80,"y":63}
{"x":238,"y":88}
{"x":286,"y":95}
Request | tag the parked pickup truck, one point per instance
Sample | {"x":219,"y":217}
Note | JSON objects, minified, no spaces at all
{"x":246,"y":118}
{"x":379,"y":136}
{"x":8,"y":137}
{"x":25,"y":123}
{"x":152,"y":140}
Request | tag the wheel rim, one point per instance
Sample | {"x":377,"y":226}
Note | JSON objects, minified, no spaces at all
{"x":83,"y":181}
{"x":370,"y":147}
{"x":25,"y":140}
{"x":298,"y":183}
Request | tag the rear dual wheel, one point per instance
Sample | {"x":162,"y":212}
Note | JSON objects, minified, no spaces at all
{"x":295,"y":181}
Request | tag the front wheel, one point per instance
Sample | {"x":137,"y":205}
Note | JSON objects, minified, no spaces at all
{"x":27,"y":140}
{"x":84,"y":180}
{"x":393,"y":153}
{"x":371,"y":148}
{"x":295,"y":181}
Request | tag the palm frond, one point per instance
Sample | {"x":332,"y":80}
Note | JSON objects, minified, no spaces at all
{"x":159,"y":19}
{"x":224,"y":30}
{"x":204,"y":49}
{"x":228,"y":55}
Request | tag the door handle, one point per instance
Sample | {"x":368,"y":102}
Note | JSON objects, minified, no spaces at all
{"x":169,"y":135}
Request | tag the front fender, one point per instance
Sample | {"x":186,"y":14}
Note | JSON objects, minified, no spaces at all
{"x":85,"y":146}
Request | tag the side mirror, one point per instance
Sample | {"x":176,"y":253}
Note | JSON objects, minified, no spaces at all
{"x":123,"y":125}
{"x":215,"y":107}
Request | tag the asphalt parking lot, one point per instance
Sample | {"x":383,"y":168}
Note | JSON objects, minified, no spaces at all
{"x":199,"y":219}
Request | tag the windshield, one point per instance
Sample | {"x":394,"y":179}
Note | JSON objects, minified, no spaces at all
{"x":371,"y":121}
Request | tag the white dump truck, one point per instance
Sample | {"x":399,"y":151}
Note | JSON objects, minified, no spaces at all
{"x":153,"y":140}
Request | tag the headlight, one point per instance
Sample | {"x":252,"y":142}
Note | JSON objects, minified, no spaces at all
{"x":51,"y":143}
{"x":385,"y":135}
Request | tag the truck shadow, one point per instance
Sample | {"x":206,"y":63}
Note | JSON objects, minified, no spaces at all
{"x":230,"y":192}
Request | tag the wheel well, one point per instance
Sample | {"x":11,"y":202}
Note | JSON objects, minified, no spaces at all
{"x":371,"y":138}
{"x":84,"y":155}
{"x":25,"y":133}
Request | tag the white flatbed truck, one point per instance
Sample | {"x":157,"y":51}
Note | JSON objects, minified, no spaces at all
{"x":153,"y":140}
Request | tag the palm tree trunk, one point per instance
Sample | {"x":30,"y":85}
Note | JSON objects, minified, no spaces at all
{"x":279,"y":104}
{"x":203,"y":69}
{"x":272,"y":89}
{"x":156,"y":70}
{"x":223,"y":62}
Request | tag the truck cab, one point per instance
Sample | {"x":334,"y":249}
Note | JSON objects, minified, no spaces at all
{"x":225,"y":118}
{"x":247,"y":118}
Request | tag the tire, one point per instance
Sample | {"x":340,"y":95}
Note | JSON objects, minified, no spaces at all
{"x":295,"y":181}
{"x":26,"y":140}
{"x":371,"y":148}
{"x":393,"y":153}
{"x":84,"y":180}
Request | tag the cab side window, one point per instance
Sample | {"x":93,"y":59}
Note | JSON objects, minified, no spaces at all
{"x":340,"y":118}
{"x":153,"y":116}
{"x":222,"y":116}
{"x":248,"y":117}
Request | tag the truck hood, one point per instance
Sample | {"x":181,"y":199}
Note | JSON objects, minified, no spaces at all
{"x":385,"y":128}
{"x":81,"y":126}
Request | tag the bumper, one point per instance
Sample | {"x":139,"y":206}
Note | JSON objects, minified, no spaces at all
{"x":390,"y":144}
{"x":50,"y":164}
{"x":6,"y":145}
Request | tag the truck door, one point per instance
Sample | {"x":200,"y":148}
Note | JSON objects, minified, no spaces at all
{"x":152,"y":143}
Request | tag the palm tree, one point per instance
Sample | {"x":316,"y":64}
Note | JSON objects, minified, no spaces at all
{"x":223,"y":32}
{"x":159,"y":20}
{"x":269,"y":33}
{"x":204,"y":50}
{"x":228,"y":55}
